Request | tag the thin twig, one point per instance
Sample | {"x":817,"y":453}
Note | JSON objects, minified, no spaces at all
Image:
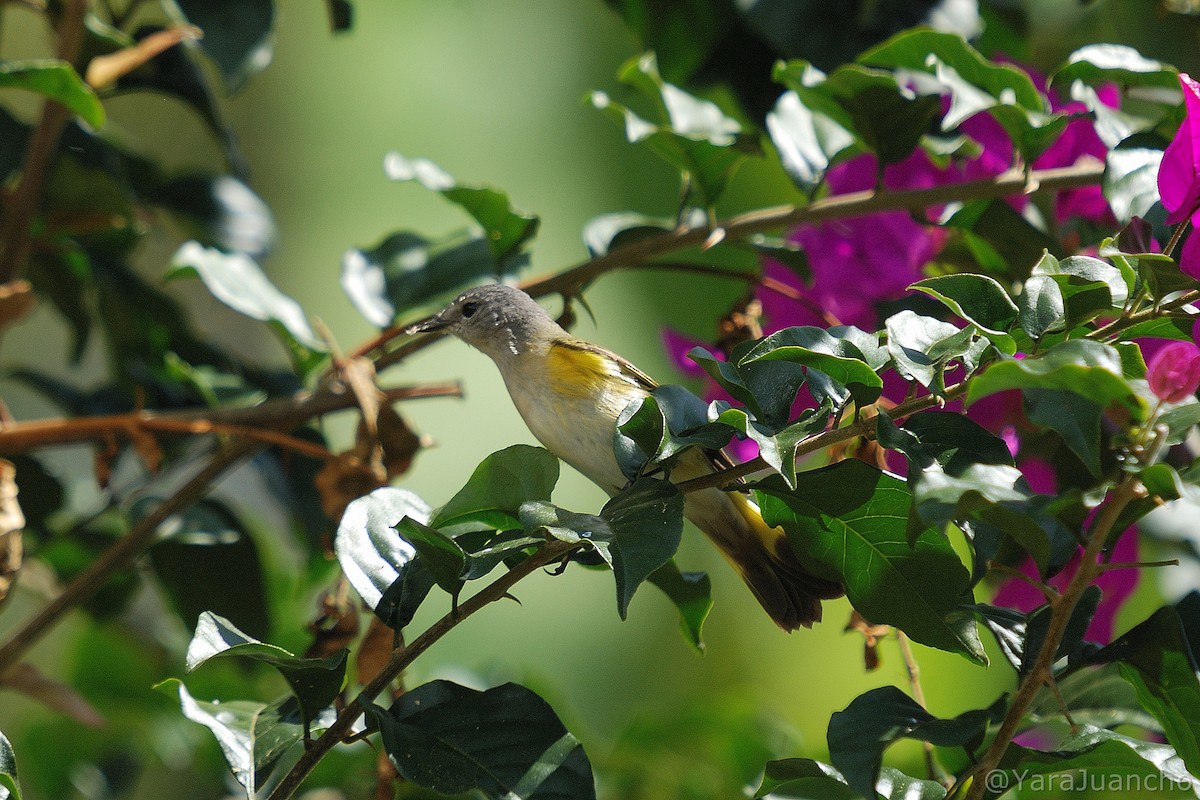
{"x":16,"y":228}
{"x":853,"y":204}
{"x":1060,"y":615}
{"x":932,"y":768}
{"x":1062,"y":703}
{"x":548,"y":554}
{"x":1049,"y":592}
{"x":1170,"y":562}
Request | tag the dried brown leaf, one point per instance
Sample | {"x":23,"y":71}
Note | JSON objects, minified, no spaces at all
{"x":375,"y":650}
{"x":743,"y":323}
{"x":12,"y":523}
{"x":398,"y":441}
{"x":146,"y":447}
{"x":359,"y":375}
{"x":871,"y":634}
{"x":343,"y":480}
{"x":16,"y":300}
{"x":336,"y":624}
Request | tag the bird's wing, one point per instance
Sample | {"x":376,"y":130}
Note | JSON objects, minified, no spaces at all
{"x":627,"y":370}
{"x":718,"y":459}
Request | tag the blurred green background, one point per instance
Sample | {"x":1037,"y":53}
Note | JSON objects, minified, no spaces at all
{"x":492,"y":91}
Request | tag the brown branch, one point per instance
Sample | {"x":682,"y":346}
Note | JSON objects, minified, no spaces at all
{"x":15,"y":230}
{"x":259,"y":421}
{"x":1060,"y":616}
{"x":549,"y":553}
{"x":854,"y":204}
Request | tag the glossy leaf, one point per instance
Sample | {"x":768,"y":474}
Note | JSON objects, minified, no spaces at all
{"x":1073,"y":417}
{"x":849,"y":522}
{"x":505,"y":742}
{"x":220,"y":211}
{"x":1087,"y":368}
{"x":921,"y":347}
{"x":1115,"y":63}
{"x":946,"y":438}
{"x":691,"y":592}
{"x":505,"y":229}
{"x":610,"y":231}
{"x":238,"y":282}
{"x":657,"y":428}
{"x":56,"y":80}
{"x":372,"y":555}
{"x":8,"y":769}
{"x":315,"y":682}
{"x":406,"y":270}
{"x":254,"y":737}
{"x":808,"y":140}
{"x":860,"y":733}
{"x":778,"y":448}
{"x":1155,"y":656}
{"x":1131,"y":181}
{"x":978,"y":299}
{"x":440,"y":555}
{"x":886,"y":117}
{"x":768,"y":388}
{"x":493,"y":495}
{"x":803,"y":778}
{"x":815,"y":348}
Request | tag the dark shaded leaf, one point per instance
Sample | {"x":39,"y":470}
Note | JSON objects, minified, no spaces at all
{"x":886,"y":117}
{"x":254,"y":737}
{"x":237,"y":35}
{"x":953,"y":441}
{"x":1073,"y":417}
{"x":1087,"y":368}
{"x":803,"y":778}
{"x":315,"y":682}
{"x":860,"y":733}
{"x":1004,"y":242}
{"x":815,"y":348}
{"x":1038,"y":622}
{"x":849,"y":523}
{"x":505,"y":742}
{"x":610,"y":231}
{"x":768,"y":388}
{"x":1104,"y":63}
{"x":220,"y":211}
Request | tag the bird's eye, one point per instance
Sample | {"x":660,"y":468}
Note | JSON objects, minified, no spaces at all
{"x":469,"y":309}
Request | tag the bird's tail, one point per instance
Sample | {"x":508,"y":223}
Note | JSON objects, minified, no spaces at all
{"x":763,"y":556}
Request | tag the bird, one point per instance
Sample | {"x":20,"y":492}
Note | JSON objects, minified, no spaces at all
{"x":570,"y":394}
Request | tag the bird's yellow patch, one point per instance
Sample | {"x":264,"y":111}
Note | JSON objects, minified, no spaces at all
{"x":575,"y":372}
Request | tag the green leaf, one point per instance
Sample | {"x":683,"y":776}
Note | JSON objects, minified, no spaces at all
{"x":1002,"y":240}
{"x":406,"y":270}
{"x":8,"y":769}
{"x":706,"y":163}
{"x":691,"y":592}
{"x":1155,"y":657}
{"x":860,"y":733}
{"x":816,"y":349}
{"x":777,"y":448}
{"x":1130,"y":182}
{"x":1093,"y":756}
{"x":607,"y":232}
{"x":803,"y":778}
{"x":254,"y":737}
{"x":768,"y":388}
{"x":238,"y":282}
{"x":658,"y":427}
{"x":921,"y":347}
{"x":315,"y":682}
{"x":56,"y":80}
{"x":442,"y":557}
{"x":237,"y":35}
{"x":1115,"y":63}
{"x":887,"y":117}
{"x":1087,"y":368}
{"x":1061,"y":295}
{"x":505,"y":229}
{"x":1095,"y":696}
{"x":505,"y":742}
{"x":979,"y":300}
{"x":1038,"y":622}
{"x":1087,"y":270}
{"x":975,"y":85}
{"x":372,"y":555}
{"x":808,"y":141}
{"x":493,"y":495}
{"x":949,"y":439}
{"x":849,"y":523}
{"x":1073,"y":417}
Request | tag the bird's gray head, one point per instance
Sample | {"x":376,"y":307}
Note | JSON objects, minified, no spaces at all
{"x":499,"y":320}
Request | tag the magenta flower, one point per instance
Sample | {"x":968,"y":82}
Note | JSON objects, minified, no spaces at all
{"x":1179,"y":172}
{"x":1174,"y":372}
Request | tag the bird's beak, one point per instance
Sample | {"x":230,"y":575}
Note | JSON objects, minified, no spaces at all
{"x":435,"y":323}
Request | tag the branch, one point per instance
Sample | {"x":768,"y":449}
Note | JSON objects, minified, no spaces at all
{"x":120,"y":555}
{"x":15,"y":231}
{"x":261,"y":421}
{"x":1060,"y":616}
{"x":549,"y":553}
{"x":854,"y":204}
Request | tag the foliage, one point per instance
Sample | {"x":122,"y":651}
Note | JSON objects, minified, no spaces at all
{"x":967,"y":358}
